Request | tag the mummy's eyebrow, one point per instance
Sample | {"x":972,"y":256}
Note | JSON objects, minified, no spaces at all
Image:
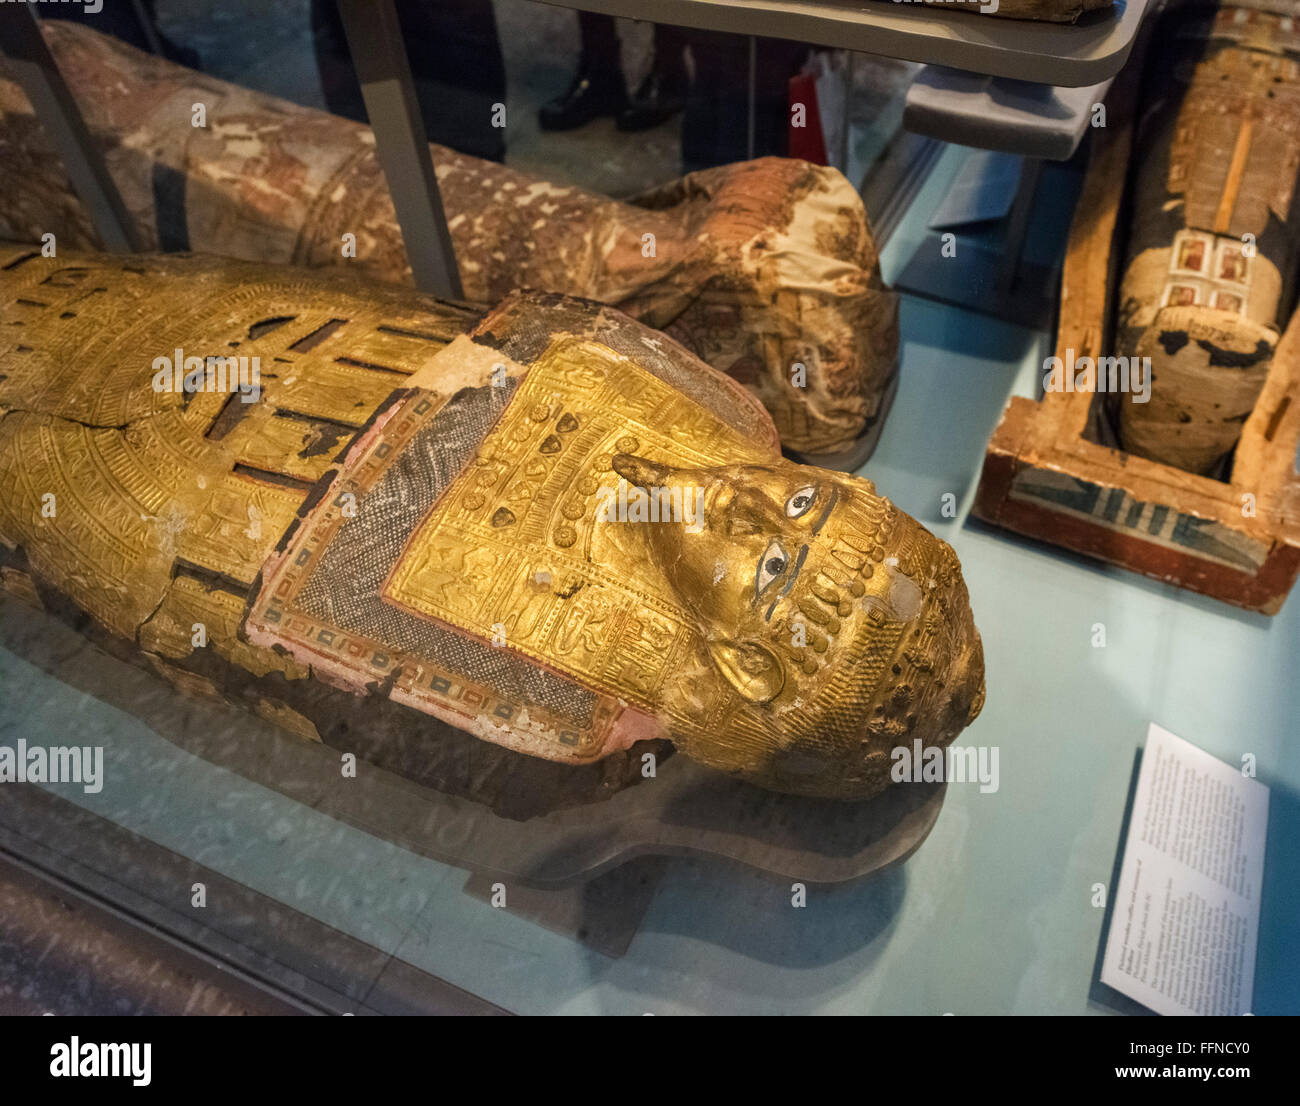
{"x":826,"y":511}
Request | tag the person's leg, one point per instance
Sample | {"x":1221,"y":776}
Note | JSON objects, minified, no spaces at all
{"x":599,"y":37}
{"x":338,"y":80}
{"x":598,"y":87}
{"x":715,"y":126}
{"x":456,"y":68}
{"x":662,"y":94}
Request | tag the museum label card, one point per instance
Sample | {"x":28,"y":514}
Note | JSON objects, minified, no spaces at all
{"x":1182,"y":937}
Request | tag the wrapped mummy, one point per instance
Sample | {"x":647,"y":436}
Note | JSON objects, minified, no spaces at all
{"x":766,"y":269}
{"x":551,"y":528}
{"x":1210,"y":280}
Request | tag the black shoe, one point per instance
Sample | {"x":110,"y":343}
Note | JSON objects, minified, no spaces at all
{"x":661,"y":96}
{"x":593,"y":93}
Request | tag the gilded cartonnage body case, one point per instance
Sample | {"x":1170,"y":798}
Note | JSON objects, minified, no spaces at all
{"x":559,"y":532}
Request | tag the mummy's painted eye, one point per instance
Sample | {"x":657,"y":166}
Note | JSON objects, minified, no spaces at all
{"x":799,"y":503}
{"x":771,"y":565}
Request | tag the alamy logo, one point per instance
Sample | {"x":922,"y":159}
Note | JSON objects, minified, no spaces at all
{"x":955,"y":764}
{"x":209,"y":374}
{"x":85,"y":1058}
{"x":630,"y":503}
{"x":1105,"y":374}
{"x":83,"y":764}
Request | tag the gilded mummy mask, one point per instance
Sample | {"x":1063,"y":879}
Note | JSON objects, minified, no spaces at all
{"x":616,"y":562}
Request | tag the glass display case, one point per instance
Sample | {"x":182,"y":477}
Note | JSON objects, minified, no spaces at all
{"x":472,"y":740}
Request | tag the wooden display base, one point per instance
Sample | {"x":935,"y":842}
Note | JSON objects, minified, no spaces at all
{"x":1042,"y":478}
{"x":574,"y":856}
{"x":1239,"y":540}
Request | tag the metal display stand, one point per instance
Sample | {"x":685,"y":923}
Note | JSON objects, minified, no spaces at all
{"x":1083,"y":53}
{"x":992,"y":113}
{"x":1037,"y":121}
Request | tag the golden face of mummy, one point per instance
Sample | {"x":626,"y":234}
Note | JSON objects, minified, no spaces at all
{"x":835,"y":627}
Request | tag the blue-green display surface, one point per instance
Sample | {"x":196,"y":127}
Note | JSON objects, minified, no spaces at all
{"x":993,"y":915}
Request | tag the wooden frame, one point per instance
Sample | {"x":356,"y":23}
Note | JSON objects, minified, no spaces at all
{"x":1238,"y":541}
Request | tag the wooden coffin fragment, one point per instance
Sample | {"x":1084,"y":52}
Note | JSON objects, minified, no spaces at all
{"x":1050,"y":474}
